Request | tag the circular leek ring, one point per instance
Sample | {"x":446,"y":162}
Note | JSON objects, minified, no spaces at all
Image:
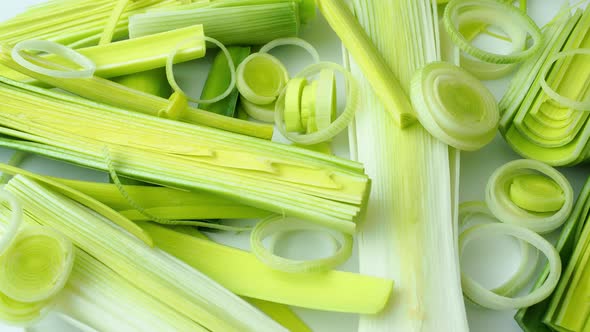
{"x":341,"y":122}
{"x":528,"y":254}
{"x":16,"y":218}
{"x":499,"y":201}
{"x":564,"y":101}
{"x":496,"y":13}
{"x":273,"y":225}
{"x":293,"y":93}
{"x":488,"y":299}
{"x":273,"y":70}
{"x":454,"y":124}
{"x":295,"y":42}
{"x":325,"y":99}
{"x":178,"y":89}
{"x":264,"y":113}
{"x":37,"y":265}
{"x":88,"y":66}
{"x":22,"y":313}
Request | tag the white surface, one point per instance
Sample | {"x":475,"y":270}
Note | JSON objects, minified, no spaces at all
{"x":489,"y":261}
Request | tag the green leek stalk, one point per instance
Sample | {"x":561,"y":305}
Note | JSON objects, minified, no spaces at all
{"x":152,"y":82}
{"x":412,"y":210}
{"x":269,"y":176}
{"x":183,"y":289}
{"x":258,"y":24}
{"x":281,"y":314}
{"x":104,"y":91}
{"x":219,"y":79}
{"x":530,"y":319}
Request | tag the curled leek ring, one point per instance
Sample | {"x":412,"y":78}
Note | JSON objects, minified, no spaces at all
{"x":341,"y":122}
{"x":261,"y":78}
{"x":278,"y":225}
{"x":264,"y":113}
{"x":564,"y":101}
{"x":37,"y":265}
{"x":494,"y":13}
{"x":486,"y":298}
{"x":529,"y":255}
{"x":88,"y":66}
{"x":292,"y":41}
{"x":454,"y":106}
{"x":22,"y":313}
{"x":502,"y":191}
{"x":14,"y":223}
{"x":176,"y":87}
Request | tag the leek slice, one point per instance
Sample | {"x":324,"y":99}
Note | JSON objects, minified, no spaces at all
{"x":274,"y":225}
{"x":264,"y":113}
{"x":261,"y":78}
{"x":343,"y":120}
{"x":564,"y":101}
{"x":308,"y":105}
{"x":325,"y":110}
{"x":292,"y":41}
{"x":536,"y":193}
{"x":497,"y":13}
{"x":486,"y":298}
{"x":294,"y":91}
{"x":454,"y":106}
{"x":502,"y":187}
{"x":88,"y":66}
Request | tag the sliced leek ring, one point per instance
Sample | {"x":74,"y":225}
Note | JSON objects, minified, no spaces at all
{"x":261,"y":78}
{"x":583,"y":105}
{"x":292,"y":41}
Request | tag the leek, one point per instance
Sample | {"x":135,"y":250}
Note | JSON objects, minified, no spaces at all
{"x":411,"y":214}
{"x":260,"y":78}
{"x":274,"y":177}
{"x":152,"y":82}
{"x":175,"y":284}
{"x":282,"y":314}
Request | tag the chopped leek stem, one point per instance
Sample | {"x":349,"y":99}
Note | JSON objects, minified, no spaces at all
{"x":500,"y":191}
{"x":278,"y":224}
{"x":261,"y":78}
{"x":88,"y":66}
{"x":176,"y":108}
{"x":109,"y":30}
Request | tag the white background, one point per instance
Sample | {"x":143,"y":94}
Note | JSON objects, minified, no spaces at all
{"x":489,"y":261}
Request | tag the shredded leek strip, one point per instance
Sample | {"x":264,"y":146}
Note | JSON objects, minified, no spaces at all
{"x":259,"y":24}
{"x":486,"y":298}
{"x":500,"y":194}
{"x":454,"y":106}
{"x":264,"y":113}
{"x":261,"y":77}
{"x":175,"y":109}
{"x":281,"y":314}
{"x":341,"y":122}
{"x":232,"y":70}
{"x":85,"y":200}
{"x":278,"y":224}
{"x":88,"y":66}
{"x":528,"y":254}
{"x":367,"y":56}
{"x":292,"y":41}
{"x":531,"y":318}
{"x":497,"y":13}
{"x":274,"y":177}
{"x":330,"y":291}
{"x":104,"y":91}
{"x":109,"y":30}
{"x":175,"y":284}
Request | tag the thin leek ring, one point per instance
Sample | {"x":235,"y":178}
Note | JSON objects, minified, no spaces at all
{"x":564,"y":101}
{"x":60,"y":50}
{"x":495,"y":12}
{"x":246,"y":90}
{"x":258,"y":112}
{"x":16,"y":218}
{"x":486,"y":298}
{"x":341,"y":122}
{"x":441,"y":122}
{"x":176,"y":87}
{"x":505,"y":210}
{"x":292,"y":41}
{"x":528,"y":254}
{"x":277,"y":224}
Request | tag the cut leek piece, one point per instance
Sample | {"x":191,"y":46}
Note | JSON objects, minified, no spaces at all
{"x":219,"y":79}
{"x":330,"y":291}
{"x":308,"y":104}
{"x":111,"y":26}
{"x":411,"y":214}
{"x":176,"y":107}
{"x":110,"y":93}
{"x":486,"y":298}
{"x":152,"y":82}
{"x":368,"y":57}
{"x":281,"y":314}
{"x":276,"y":225}
{"x":294,"y":91}
{"x":325,"y":110}
{"x":530,"y":319}
{"x":275,"y":177}
{"x":261,"y":78}
{"x":259,"y":23}
{"x":169,"y":281}
{"x":530,"y":194}
{"x":294,"y":42}
{"x":454,"y":106}
{"x":264,"y":113}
